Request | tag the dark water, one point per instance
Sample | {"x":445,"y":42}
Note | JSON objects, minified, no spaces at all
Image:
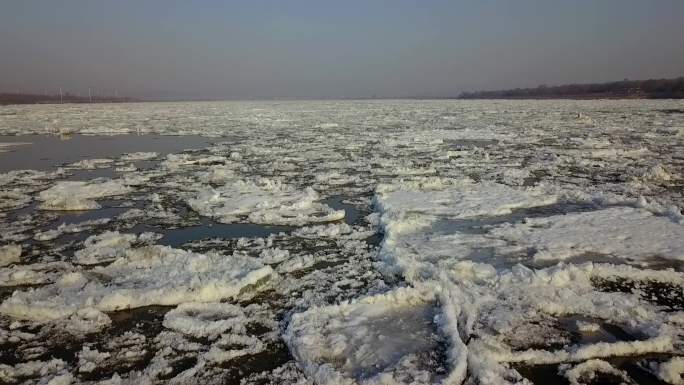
{"x":551,"y":373}
{"x":352,"y":214}
{"x":44,"y":152}
{"x":178,"y":237}
{"x":210,"y":229}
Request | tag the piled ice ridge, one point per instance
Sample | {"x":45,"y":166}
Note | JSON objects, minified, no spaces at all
{"x":493,"y":315}
{"x":671,"y":371}
{"x":50,"y":372}
{"x":150,"y":275}
{"x":105,"y":247}
{"x":33,"y":274}
{"x":77,"y":195}
{"x":494,"y":305}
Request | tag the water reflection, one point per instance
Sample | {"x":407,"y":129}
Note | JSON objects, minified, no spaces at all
{"x":41,"y":152}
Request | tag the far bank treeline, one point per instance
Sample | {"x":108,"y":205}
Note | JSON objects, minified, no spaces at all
{"x":630,"y":89}
{"x":18,"y":98}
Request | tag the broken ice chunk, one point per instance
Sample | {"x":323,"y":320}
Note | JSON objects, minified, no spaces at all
{"x":104,"y":247}
{"x":139,"y":156}
{"x":34,"y":274}
{"x":206,"y":319}
{"x":388,"y":336}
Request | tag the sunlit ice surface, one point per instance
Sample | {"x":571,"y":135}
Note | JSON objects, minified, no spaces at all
{"x":342,"y":242}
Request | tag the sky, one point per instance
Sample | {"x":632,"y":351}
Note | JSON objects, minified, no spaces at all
{"x":252,"y":49}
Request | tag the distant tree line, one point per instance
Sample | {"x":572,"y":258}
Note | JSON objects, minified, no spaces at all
{"x":646,"y":89}
{"x":18,"y":98}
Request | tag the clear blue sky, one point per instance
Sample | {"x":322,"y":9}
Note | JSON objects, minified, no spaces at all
{"x":317,"y":48}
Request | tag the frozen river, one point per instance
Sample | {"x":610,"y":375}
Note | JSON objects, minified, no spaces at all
{"x":342,"y":242}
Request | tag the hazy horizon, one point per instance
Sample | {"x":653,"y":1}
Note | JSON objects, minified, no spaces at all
{"x":311,"y":50}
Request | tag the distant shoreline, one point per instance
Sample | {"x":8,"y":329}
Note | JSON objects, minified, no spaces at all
{"x":625,"y":89}
{"x":7,"y":99}
{"x":620,"y":90}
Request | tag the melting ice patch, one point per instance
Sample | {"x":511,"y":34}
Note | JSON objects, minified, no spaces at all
{"x":4,"y":147}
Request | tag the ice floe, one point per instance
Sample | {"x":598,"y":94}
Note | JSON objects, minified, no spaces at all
{"x":53,"y":372}
{"x":13,"y":199}
{"x":588,"y":371}
{"x":105,"y":247}
{"x":78,"y":195}
{"x":206,"y":319}
{"x":619,"y":232}
{"x":91,"y":164}
{"x":138,"y":156}
{"x":264,"y":202}
{"x":465,"y":199}
{"x":70,"y":228}
{"x":671,"y":371}
{"x":9,"y":254}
